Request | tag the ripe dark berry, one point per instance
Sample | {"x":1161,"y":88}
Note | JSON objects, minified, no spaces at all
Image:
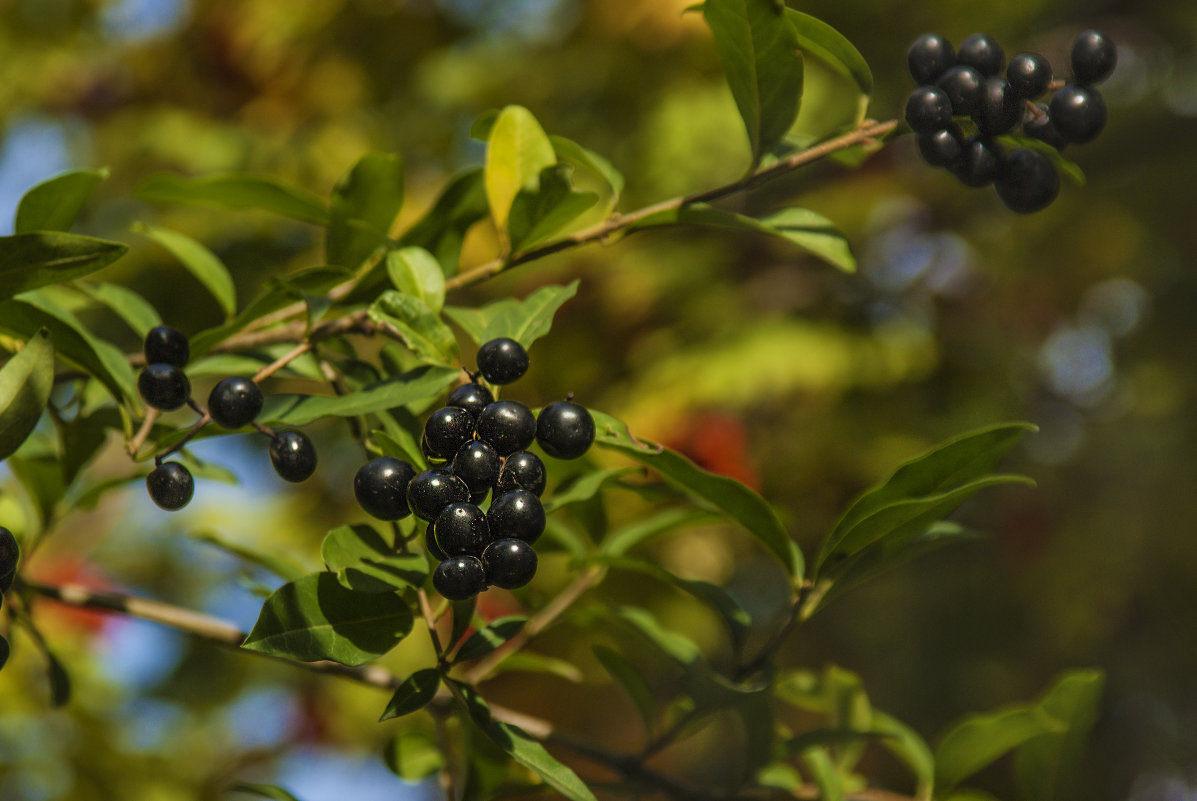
{"x":479,"y":498}
{"x":234,"y":402}
{"x":428,"y":453}
{"x":564,"y":429}
{"x":981,"y":53}
{"x":964,"y":87}
{"x":928,"y":110}
{"x":447,"y":429}
{"x":459,"y":578}
{"x":471,"y":397}
{"x":462,"y":529}
{"x":521,"y":470}
{"x":508,"y":426}
{"x":516,"y":515}
{"x":163,"y":386}
{"x":509,"y":563}
{"x":1093,"y":57}
{"x":1040,"y":126}
{"x":292,"y":454}
{"x":10,"y":554}
{"x":1000,"y":109}
{"x":929,"y":57}
{"x":1029,"y":75}
{"x":434,"y":550}
{"x":165,"y":345}
{"x":1027,"y":181}
{"x":477,"y":464}
{"x":1079,"y":113}
{"x":942,"y":148}
{"x":380,"y":487}
{"x":431,"y":491}
{"x":171,"y":485}
{"x":502,"y":360}
{"x":979,"y":162}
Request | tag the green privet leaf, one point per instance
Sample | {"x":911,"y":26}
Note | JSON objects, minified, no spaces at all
{"x":570,"y":151}
{"x":314,"y":618}
{"x":414,"y":271}
{"x":525,"y":661}
{"x":201,"y":262}
{"x":1071,"y":170}
{"x":1044,"y":766}
{"x":812,"y":232}
{"x":53,"y":205}
{"x":442,"y":229}
{"x":29,"y":261}
{"x":25,"y":384}
{"x":413,"y":755}
{"x":234,"y":191}
{"x":585,"y":487}
{"x":282,"y":566}
{"x":521,"y":747}
{"x":736,"y":500}
{"x":524,"y":321}
{"x":823,"y":772}
{"x":420,"y":328}
{"x":678,"y":647}
{"x":263,"y":791}
{"x":417,"y":385}
{"x":779,"y":776}
{"x":517,"y":149}
{"x":414,"y":693}
{"x":364,"y":205}
{"x":546,"y":208}
{"x":365,"y":562}
{"x":631,"y":680}
{"x":490,"y":637}
{"x":763,"y":64}
{"x":909,"y":747}
{"x":134,"y":310}
{"x":818,"y":39}
{"x":463,"y":616}
{"x":629,"y":536}
{"x":982,"y":738}
{"x":398,"y":443}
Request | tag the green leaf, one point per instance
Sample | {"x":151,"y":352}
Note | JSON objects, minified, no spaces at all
{"x":400,"y":390}
{"x":909,"y":747}
{"x":25,"y":384}
{"x":585,"y":487}
{"x":365,"y":562}
{"x":314,"y":618}
{"x":1046,"y":766}
{"x":763,"y":64}
{"x":83,"y":438}
{"x":442,"y":229}
{"x":737,"y":501}
{"x":282,"y":566}
{"x":524,"y":321}
{"x":490,"y":637}
{"x":420,"y":328}
{"x":1065,"y":165}
{"x":629,"y":536}
{"x":980,"y":739}
{"x":570,"y":151}
{"x":415,"y":272}
{"x":413,"y":755}
{"x":823,"y":772}
{"x":828,"y":737}
{"x":53,"y":205}
{"x":364,"y":205}
{"x":678,"y":647}
{"x":463,"y":616}
{"x":547,"y":208}
{"x":29,"y":261}
{"x":263,"y":791}
{"x":517,"y":149}
{"x":631,"y":681}
{"x":133,"y":309}
{"x":818,"y":39}
{"x":199,"y":261}
{"x":414,"y":693}
{"x":398,"y":443}
{"x":525,"y":661}
{"x":234,"y":191}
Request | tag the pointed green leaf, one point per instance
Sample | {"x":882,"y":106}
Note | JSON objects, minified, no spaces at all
{"x":824,"y":773}
{"x":414,"y":271}
{"x":678,"y":647}
{"x":524,"y":321}
{"x":234,"y":191}
{"x":420,"y":328}
{"x":413,"y":755}
{"x":136,"y":311}
{"x":365,"y":562}
{"x":417,"y":385}
{"x":631,"y":681}
{"x":29,"y":261}
{"x":517,"y":149}
{"x":629,"y":536}
{"x":53,"y":205}
{"x":364,"y":205}
{"x":263,"y":791}
{"x":490,"y":637}
{"x":1045,"y":766}
{"x":980,"y":739}
{"x":414,"y":693}
{"x":200,"y":262}
{"x":547,"y":208}
{"x":25,"y":383}
{"x":585,"y":487}
{"x":570,"y":151}
{"x":818,"y":39}
{"x":282,"y":566}
{"x":442,"y":229}
{"x":909,"y":747}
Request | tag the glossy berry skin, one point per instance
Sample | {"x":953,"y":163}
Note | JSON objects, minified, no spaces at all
{"x":964,"y":87}
{"x":516,"y":515}
{"x":1040,"y":126}
{"x":928,"y":110}
{"x":509,"y":563}
{"x":929,"y":57}
{"x":163,"y":386}
{"x":477,"y":464}
{"x":1028,"y":75}
{"x":459,"y":577}
{"x":235,"y":402}
{"x":165,"y":345}
{"x":430,"y":543}
{"x":979,"y":162}
{"x":462,"y":529}
{"x":942,"y":148}
{"x":564,"y":430}
{"x":508,"y":426}
{"x":1093,"y":57}
{"x":1000,"y":108}
{"x":502,"y":360}
{"x":471,"y":397}
{"x":981,"y":53}
{"x":1078,"y":112}
{"x":522,"y":470}
{"x":427,"y":451}
{"x":10,"y":554}
{"x":293,"y":455}
{"x":171,"y":485}
{"x":479,"y":498}
{"x":431,"y":491}
{"x":1027,"y":181}
{"x":447,"y":429}
{"x":380,"y":487}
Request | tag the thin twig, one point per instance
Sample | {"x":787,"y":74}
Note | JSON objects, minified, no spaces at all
{"x":143,"y":433}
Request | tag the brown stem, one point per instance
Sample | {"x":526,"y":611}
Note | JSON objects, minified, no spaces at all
{"x":430,"y":622}
{"x":143,"y":433}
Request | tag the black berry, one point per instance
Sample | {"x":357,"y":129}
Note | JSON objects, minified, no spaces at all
{"x":508,"y":426}
{"x":292,"y":454}
{"x":434,"y":550}
{"x":234,"y":402}
{"x":564,"y":429}
{"x":447,"y":429}
{"x":979,"y":162}
{"x":1027,"y":181}
{"x":502,"y":360}
{"x":428,"y":452}
{"x":163,"y":386}
{"x":1040,"y":126}
{"x":509,"y":563}
{"x":462,"y":529}
{"x":10,"y":554}
{"x":929,"y":57}
{"x":171,"y":485}
{"x":460,"y":577}
{"x":479,"y":498}
{"x":1079,"y":113}
{"x":1000,"y":108}
{"x":165,"y":345}
{"x":516,"y":515}
{"x":942,"y":148}
{"x":431,"y":491}
{"x":928,"y":110}
{"x":981,"y":53}
{"x":477,"y":464}
{"x":1029,"y":75}
{"x":1093,"y":57}
{"x":964,"y":87}
{"x":522,"y":470}
{"x":380,"y":487}
{"x":471,"y":397}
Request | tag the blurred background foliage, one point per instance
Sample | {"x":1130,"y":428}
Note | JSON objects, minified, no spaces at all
{"x":807,"y":384}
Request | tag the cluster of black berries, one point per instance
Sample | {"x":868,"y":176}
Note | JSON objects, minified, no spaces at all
{"x":965,"y":88}
{"x":10,"y":553}
{"x":477,"y":445}
{"x":232,"y":403}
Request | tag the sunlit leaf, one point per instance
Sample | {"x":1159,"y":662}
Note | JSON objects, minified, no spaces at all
{"x":29,"y":261}
{"x":570,"y":151}
{"x":547,"y":208}
{"x":199,"y":261}
{"x":416,"y":385}
{"x":524,"y":321}
{"x":364,"y":205}
{"x":820,"y":40}
{"x":53,"y":205}
{"x":420,"y":328}
{"x":133,"y":309}
{"x":980,"y":739}
{"x":25,"y":384}
{"x":234,"y":191}
{"x":517,"y":149}
{"x":415,"y":272}
{"x":365,"y":562}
